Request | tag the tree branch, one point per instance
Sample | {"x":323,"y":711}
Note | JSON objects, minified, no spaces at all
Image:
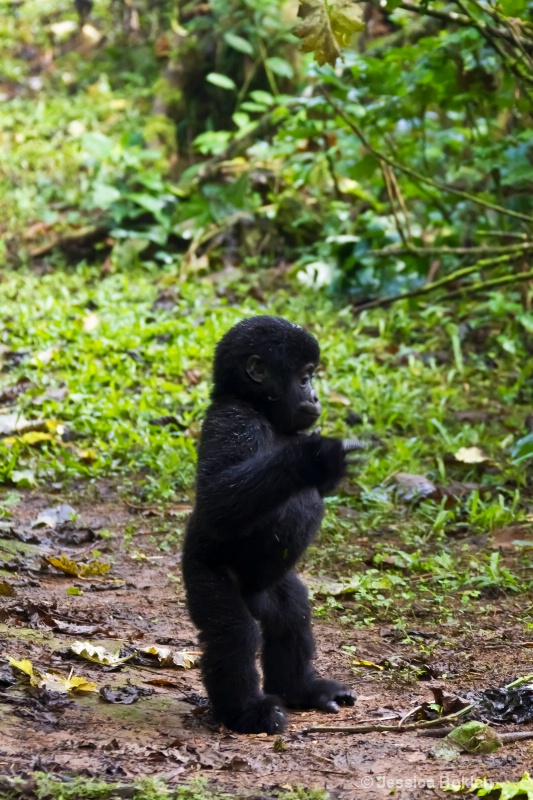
{"x":453,"y":251}
{"x":417,"y":176}
{"x":453,"y":17}
{"x":443,"y":282}
{"x":410,"y":726}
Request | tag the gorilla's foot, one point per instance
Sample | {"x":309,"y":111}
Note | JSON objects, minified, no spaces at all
{"x":264,"y":715}
{"x":323,"y":694}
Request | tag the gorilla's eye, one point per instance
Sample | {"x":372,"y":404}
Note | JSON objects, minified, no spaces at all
{"x":306,"y":378}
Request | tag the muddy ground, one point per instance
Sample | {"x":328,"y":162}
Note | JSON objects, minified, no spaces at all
{"x":170,"y":732}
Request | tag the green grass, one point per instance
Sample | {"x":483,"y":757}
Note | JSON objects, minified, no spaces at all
{"x":106,"y":350}
{"x":48,"y":787}
{"x":122,"y":359}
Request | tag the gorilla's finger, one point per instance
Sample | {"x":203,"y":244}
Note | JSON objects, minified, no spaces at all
{"x":349,"y":445}
{"x":355,"y":461}
{"x":346,"y":698}
{"x":331,"y":707}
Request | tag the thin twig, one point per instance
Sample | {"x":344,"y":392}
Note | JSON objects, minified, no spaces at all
{"x":428,"y":288}
{"x":453,"y":251}
{"x":483,"y":286}
{"x":417,"y":176}
{"x":410,"y":726}
{"x":386,"y":172}
{"x":401,"y":202}
{"x":514,"y":66}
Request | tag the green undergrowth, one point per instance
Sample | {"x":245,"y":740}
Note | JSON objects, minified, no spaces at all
{"x":97,"y":362}
{"x":48,"y":787}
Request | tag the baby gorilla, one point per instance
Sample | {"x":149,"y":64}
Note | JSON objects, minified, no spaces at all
{"x":260,"y":483}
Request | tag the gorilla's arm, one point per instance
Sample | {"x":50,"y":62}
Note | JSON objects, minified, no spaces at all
{"x":235,"y":495}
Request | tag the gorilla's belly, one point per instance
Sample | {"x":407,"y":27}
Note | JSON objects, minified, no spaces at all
{"x":274,"y":546}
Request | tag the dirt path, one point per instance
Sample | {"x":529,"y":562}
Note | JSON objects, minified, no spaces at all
{"x":168,"y":733}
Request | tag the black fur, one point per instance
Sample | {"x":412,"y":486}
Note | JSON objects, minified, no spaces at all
{"x":259,"y":490}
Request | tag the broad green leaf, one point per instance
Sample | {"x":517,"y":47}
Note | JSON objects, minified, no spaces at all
{"x":506,"y":790}
{"x":280,"y":67}
{"x":475,"y":737}
{"x":259,"y":96}
{"x":327,"y":27}
{"x":105,"y":195}
{"x":238,"y":43}
{"x":523,"y":448}
{"x":221,"y":80}
{"x":24,"y":478}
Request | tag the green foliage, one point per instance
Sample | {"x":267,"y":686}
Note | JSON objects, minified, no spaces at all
{"x":500,"y":790}
{"x":50,"y":787}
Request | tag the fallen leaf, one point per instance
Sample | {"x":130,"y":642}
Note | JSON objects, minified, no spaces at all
{"x":70,"y":567}
{"x":360,"y":662}
{"x":471,"y":455}
{"x":410,"y":487}
{"x":173,"y":658}
{"x":56,"y":682}
{"x":125,"y":695}
{"x":52,"y":680}
{"x":24,"y":478}
{"x":51,"y":517}
{"x":98,"y":654}
{"x":24,"y":666}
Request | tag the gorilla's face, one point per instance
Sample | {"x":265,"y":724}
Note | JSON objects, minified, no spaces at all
{"x":288,"y":398}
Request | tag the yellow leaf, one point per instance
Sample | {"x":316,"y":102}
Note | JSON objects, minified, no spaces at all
{"x":360,"y":662}
{"x":70,"y":567}
{"x":35,"y":437}
{"x":182,"y":659}
{"x":6,"y":589}
{"x":24,"y":666}
{"x":57,"y":682}
{"x":76,"y":684}
{"x":98,"y":654}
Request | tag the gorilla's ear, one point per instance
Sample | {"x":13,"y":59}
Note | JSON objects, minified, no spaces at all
{"x":256,"y":369}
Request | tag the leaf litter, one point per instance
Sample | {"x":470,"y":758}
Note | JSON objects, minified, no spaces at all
{"x":141,"y":635}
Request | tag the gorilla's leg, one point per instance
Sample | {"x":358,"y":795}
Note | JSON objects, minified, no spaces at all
{"x":229,"y":639}
{"x":288,"y":650}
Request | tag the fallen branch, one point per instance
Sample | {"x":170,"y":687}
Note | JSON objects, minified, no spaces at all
{"x":77,"y":238}
{"x":410,"y":726}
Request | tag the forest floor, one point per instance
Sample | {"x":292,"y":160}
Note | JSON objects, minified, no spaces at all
{"x":169,"y":732}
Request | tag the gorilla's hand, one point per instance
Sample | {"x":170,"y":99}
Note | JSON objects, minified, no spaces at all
{"x":323,"y":462}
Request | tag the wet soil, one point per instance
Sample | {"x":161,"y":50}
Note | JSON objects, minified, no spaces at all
{"x":171,"y":733}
